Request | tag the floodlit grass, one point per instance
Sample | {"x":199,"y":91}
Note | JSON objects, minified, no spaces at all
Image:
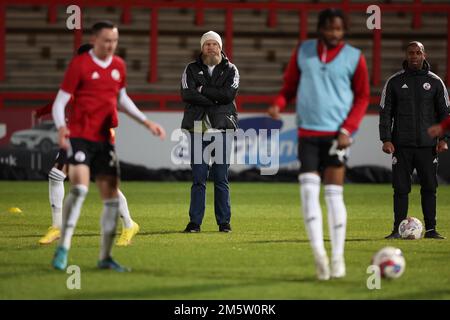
{"x":267,"y":256}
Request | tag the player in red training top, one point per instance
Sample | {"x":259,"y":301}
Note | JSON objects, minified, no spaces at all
{"x":56,"y":178}
{"x":95,"y":79}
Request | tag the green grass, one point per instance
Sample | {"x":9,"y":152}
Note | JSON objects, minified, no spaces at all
{"x":267,"y":256}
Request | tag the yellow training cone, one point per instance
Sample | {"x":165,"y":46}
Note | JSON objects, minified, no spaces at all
{"x":14,"y":210}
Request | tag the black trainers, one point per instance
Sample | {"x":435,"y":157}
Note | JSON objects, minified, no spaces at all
{"x":394,"y":235}
{"x":433,"y":234}
{"x":224,"y":227}
{"x":192,"y":227}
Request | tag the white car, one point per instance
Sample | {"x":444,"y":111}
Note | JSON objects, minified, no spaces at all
{"x":42,"y":137}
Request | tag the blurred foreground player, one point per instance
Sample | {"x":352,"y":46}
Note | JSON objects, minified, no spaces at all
{"x":56,"y":178}
{"x":95,"y":79}
{"x":331,"y":83}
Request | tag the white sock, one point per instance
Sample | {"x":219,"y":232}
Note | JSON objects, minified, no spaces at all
{"x":124,"y":212}
{"x":71,"y":213}
{"x":312,"y":213}
{"x":109,"y":224}
{"x":56,"y":195}
{"x":337,"y":218}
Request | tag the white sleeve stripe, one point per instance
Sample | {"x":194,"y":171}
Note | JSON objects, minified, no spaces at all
{"x":183,"y":79}
{"x":184,"y":84}
{"x":58,"y":108}
{"x":447,"y":100}
{"x":235,"y":83}
{"x":383,"y":95}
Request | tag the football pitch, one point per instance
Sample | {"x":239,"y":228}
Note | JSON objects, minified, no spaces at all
{"x":267,"y":256}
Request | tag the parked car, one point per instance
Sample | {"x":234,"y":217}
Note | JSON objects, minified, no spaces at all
{"x":42,"y":137}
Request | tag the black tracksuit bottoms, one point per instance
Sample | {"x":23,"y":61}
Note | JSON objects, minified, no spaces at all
{"x":425,"y":161}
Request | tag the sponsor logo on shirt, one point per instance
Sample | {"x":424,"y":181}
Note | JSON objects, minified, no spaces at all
{"x":95,"y":75}
{"x":427,"y":86}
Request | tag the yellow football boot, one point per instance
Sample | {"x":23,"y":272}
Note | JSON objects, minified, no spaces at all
{"x":127,"y":235}
{"x":52,"y":234}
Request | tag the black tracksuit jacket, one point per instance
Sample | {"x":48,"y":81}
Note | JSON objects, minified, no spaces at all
{"x":411,"y":102}
{"x":216,"y":98}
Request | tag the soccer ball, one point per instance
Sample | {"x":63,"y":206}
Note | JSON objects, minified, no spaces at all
{"x":410,"y":228}
{"x":391,"y":262}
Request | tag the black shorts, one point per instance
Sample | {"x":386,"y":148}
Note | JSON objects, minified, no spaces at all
{"x":99,"y":156}
{"x":61,"y":159}
{"x":318,"y":153}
